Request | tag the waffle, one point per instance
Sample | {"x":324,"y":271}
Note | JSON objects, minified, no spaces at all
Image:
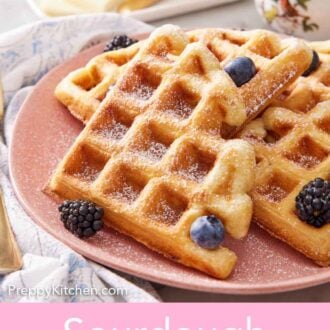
{"x":83,"y":89}
{"x":292,"y":144}
{"x":279,"y":62}
{"x":154,"y":171}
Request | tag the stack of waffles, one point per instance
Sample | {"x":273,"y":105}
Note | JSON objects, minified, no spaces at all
{"x":292,"y":144}
{"x":160,"y":147}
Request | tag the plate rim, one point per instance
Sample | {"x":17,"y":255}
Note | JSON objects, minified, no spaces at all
{"x":147,"y":14}
{"x":234,"y":288}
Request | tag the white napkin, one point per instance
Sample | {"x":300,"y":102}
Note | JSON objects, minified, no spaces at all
{"x":53,"y":272}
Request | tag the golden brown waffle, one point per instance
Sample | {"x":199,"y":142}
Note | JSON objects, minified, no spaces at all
{"x":83,"y":89}
{"x":154,"y":175}
{"x":292,"y":143}
{"x":279,"y":62}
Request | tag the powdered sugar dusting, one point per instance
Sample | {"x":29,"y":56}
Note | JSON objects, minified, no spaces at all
{"x":143,"y":92}
{"x":273,"y":87}
{"x":273,"y":193}
{"x":127,"y":193}
{"x":87,"y":173}
{"x":196,"y":171}
{"x":324,"y":124}
{"x":307,"y":161}
{"x":259,"y":261}
{"x":155,"y":151}
{"x":181,"y":109}
{"x":166,"y":213}
{"x":115,"y":132}
{"x":307,"y":153}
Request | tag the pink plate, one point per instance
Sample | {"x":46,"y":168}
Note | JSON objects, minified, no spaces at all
{"x":43,"y":133}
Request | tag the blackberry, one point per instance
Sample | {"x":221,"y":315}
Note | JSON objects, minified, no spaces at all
{"x":119,"y":42}
{"x":314,"y":64}
{"x":313,"y":203}
{"x":81,"y":218}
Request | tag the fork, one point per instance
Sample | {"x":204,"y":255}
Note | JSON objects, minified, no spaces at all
{"x":10,"y":256}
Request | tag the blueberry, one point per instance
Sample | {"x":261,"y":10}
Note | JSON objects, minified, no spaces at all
{"x":241,"y":70}
{"x":314,"y":64}
{"x":208,"y":232}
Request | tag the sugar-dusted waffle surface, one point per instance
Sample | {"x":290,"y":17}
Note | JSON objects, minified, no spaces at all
{"x":152,"y":157}
{"x":292,"y":144}
{"x":279,"y":62}
{"x":83,"y":89}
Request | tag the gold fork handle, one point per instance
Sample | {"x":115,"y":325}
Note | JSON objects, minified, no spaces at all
{"x":10,"y":256}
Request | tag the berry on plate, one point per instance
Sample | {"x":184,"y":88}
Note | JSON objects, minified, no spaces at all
{"x":81,"y":218}
{"x":208,"y":232}
{"x":313,"y":203}
{"x":314,"y":64}
{"x":119,"y":42}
